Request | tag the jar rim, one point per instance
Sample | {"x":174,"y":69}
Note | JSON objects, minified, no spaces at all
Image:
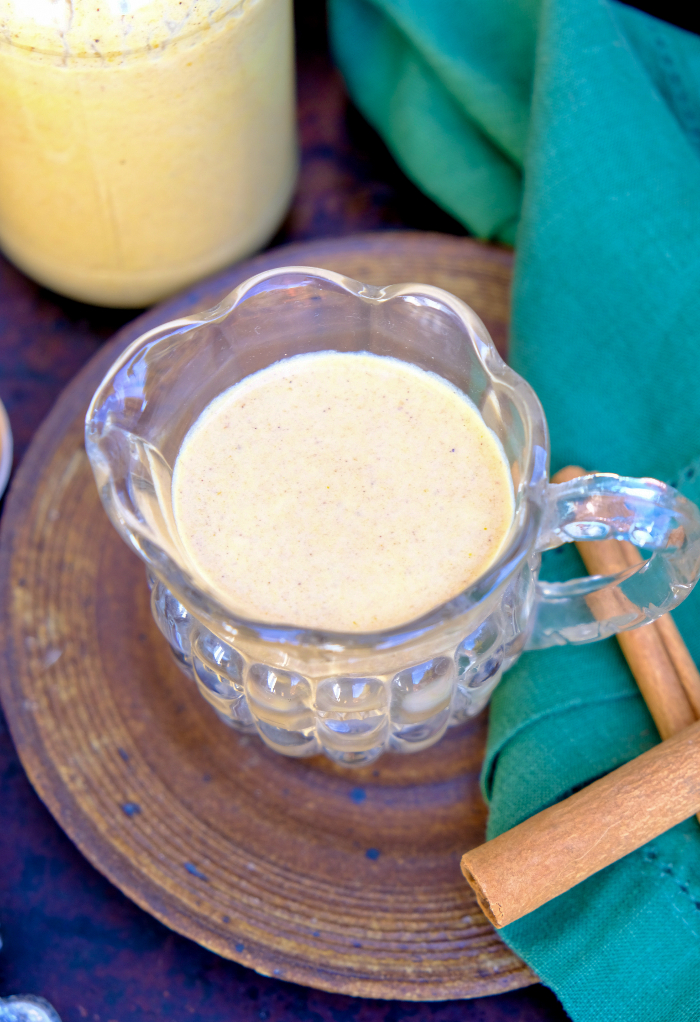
{"x":81,"y":44}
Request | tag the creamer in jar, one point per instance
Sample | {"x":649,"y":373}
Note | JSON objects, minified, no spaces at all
{"x":145,"y":143}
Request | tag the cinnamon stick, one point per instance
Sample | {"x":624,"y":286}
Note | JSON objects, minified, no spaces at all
{"x":667,"y":695}
{"x":648,"y":659}
{"x":677,"y":651}
{"x":558,"y":848}
{"x":684,"y":664}
{"x":553,"y":851}
{"x":656,"y":654}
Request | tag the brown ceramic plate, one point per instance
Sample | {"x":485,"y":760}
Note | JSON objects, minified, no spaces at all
{"x":347,"y":881}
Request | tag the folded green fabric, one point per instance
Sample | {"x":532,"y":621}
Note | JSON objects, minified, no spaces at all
{"x":447,"y":84}
{"x":596,"y":107}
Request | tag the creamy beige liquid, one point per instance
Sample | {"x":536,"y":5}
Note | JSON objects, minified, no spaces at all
{"x":143,"y":143}
{"x":348,"y":492}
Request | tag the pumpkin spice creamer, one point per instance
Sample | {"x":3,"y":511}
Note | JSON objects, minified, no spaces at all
{"x":145,"y":143}
{"x":349,"y":492}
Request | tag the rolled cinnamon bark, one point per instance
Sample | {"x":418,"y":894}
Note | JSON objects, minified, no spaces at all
{"x":681,"y":659}
{"x":653,"y":669}
{"x":667,"y":694}
{"x":553,"y":851}
{"x":677,"y":651}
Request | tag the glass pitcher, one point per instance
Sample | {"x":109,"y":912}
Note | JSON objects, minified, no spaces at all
{"x":351,"y":696}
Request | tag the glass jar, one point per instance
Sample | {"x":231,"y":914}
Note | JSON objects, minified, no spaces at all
{"x":145,"y":143}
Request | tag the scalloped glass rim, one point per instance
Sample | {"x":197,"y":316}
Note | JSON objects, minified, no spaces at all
{"x":193,"y":592}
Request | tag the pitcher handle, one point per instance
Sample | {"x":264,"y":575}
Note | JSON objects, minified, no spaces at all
{"x":647,"y":513}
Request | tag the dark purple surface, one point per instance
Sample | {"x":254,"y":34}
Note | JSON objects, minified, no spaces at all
{"x":68,"y":934}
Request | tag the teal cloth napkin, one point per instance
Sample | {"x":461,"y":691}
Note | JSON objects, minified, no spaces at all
{"x":572,"y":127}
